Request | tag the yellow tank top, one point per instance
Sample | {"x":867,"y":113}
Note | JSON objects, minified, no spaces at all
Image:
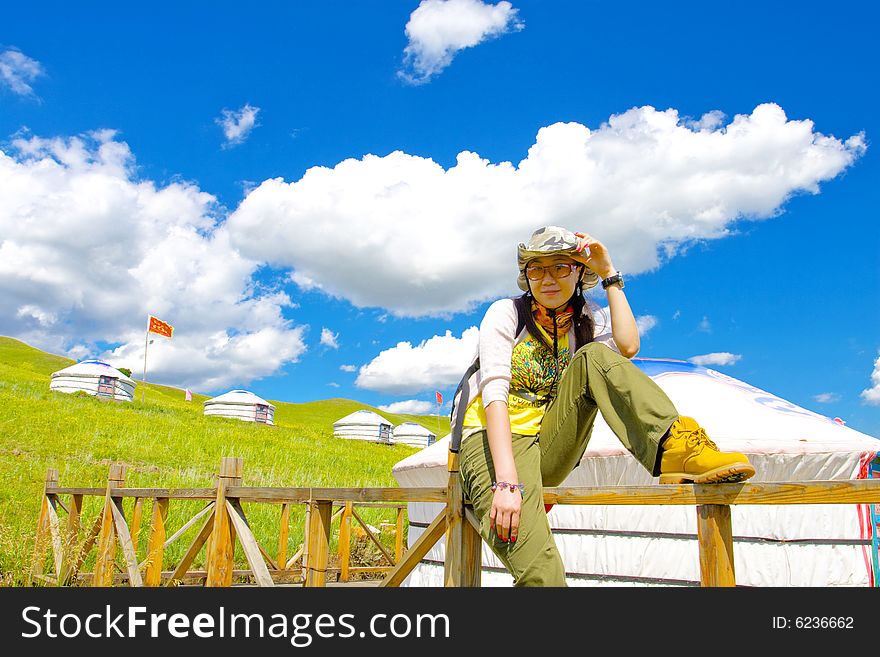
{"x":532,"y":373}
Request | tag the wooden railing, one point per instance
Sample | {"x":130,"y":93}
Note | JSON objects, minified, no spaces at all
{"x":225,"y":524}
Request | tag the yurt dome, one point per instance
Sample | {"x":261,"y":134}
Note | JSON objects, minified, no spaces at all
{"x":363,"y":425}
{"x":412,"y":434}
{"x":641,"y":545}
{"x":241,"y":405}
{"x":94,"y":377}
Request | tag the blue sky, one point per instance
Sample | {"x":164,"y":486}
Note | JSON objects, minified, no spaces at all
{"x":323,"y":197}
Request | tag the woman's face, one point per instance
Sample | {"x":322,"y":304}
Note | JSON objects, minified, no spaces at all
{"x":553,"y":291}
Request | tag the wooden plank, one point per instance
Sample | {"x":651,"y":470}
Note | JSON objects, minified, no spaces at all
{"x":418,"y":550}
{"x":40,"y":543}
{"x":125,"y":541}
{"x":89,"y":542}
{"x":156,"y":544}
{"x":390,"y":494}
{"x":862,"y":491}
{"x":398,"y":536}
{"x":189,"y":523}
{"x":249,"y":543}
{"x":318,"y":542}
{"x":453,"y":564}
{"x":107,"y":538}
{"x":371,"y":537}
{"x":855,"y":491}
{"x":136,"y":521}
{"x":55,"y":534}
{"x":192,"y":551}
{"x":221,"y":552}
{"x":715,"y":537}
{"x":344,"y":544}
{"x":471,"y":550}
{"x":170,"y":493}
{"x":283,"y":534}
{"x":106,"y":549}
{"x":296,"y":555}
{"x":71,"y":537}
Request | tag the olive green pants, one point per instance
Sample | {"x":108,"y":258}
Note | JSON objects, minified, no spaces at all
{"x":597,"y":379}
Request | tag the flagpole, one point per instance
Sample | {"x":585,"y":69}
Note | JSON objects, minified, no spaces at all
{"x":146,"y":345}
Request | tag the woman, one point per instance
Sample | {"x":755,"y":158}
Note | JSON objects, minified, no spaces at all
{"x":539,"y":393}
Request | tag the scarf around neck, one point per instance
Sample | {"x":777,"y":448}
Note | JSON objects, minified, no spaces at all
{"x":544,"y":319}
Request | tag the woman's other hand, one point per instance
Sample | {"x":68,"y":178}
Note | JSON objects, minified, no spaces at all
{"x":599,"y":259}
{"x":505,"y":513}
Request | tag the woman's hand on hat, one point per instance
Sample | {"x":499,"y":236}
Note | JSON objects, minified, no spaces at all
{"x":598,"y":258}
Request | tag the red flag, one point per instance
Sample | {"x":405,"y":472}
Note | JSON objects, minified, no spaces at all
{"x":439,"y":397}
{"x":158,"y":326}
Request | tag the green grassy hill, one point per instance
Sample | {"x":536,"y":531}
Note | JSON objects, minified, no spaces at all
{"x":166,"y":441}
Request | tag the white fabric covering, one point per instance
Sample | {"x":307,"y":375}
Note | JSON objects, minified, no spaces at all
{"x":94,"y":377}
{"x":241,"y":405}
{"x":363,"y":425}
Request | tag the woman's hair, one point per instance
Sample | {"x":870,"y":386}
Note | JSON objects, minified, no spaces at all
{"x":584,"y":325}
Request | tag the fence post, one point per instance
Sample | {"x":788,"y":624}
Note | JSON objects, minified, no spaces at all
{"x":222,"y":547}
{"x":156,"y":545}
{"x":344,"y":548}
{"x":283,"y":533}
{"x":463,"y":542}
{"x":71,"y":539}
{"x":318,"y":541}
{"x":398,"y":536}
{"x":103,"y":575}
{"x":715,"y":536}
{"x":51,"y":481}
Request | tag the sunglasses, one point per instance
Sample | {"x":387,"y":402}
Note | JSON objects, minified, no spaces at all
{"x":557,"y":271}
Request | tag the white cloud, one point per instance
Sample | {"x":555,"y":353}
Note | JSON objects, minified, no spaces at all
{"x":333,"y":384}
{"x":416,"y":239}
{"x":872,"y":395}
{"x":602,"y":318}
{"x":645,"y":323}
{"x":717,"y":358}
{"x":87,"y":251}
{"x":827,"y":397}
{"x":438,"y":29}
{"x":705,"y":325}
{"x":329,"y":339}
{"x":410,"y":407}
{"x":433,"y":364}
{"x":348,"y":368}
{"x":18,"y":71}
{"x":237,"y":124}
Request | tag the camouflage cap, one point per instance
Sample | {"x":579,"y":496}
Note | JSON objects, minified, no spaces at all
{"x":552,"y":240}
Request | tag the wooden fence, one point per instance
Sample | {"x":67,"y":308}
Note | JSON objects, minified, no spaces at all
{"x":224,"y":523}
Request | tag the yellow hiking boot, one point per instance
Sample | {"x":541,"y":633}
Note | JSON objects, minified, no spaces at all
{"x":688,"y":456}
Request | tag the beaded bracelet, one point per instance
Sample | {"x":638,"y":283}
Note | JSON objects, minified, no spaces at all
{"x":512,"y":487}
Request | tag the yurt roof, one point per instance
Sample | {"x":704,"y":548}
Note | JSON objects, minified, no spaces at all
{"x":239,"y":397}
{"x":413,"y":428}
{"x":93,"y":368}
{"x":362,"y":416}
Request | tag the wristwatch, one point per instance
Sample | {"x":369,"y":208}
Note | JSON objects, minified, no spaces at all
{"x":616,"y":279}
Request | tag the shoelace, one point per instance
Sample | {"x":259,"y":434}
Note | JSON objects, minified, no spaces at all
{"x":699,"y":437}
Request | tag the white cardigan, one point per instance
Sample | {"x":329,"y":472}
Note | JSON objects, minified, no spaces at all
{"x":497,"y":340}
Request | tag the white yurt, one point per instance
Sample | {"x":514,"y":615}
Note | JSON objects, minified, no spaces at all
{"x":96,"y":378}
{"x":363,"y":425}
{"x":639,"y":545}
{"x":412,"y":434}
{"x":241,"y":405}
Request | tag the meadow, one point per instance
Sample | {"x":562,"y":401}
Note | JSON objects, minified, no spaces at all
{"x":166,"y":441}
